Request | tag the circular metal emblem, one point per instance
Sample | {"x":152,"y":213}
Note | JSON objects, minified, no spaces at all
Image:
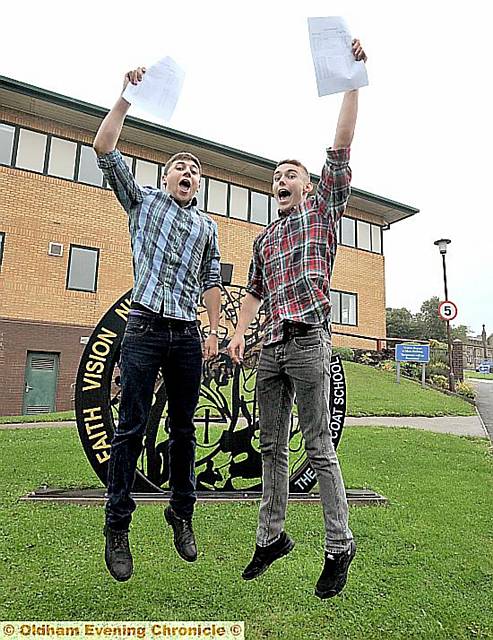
{"x":227,"y":430}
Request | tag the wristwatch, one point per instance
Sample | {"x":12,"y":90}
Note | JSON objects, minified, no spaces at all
{"x":213,"y":332}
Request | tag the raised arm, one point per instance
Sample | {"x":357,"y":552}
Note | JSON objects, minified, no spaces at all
{"x":110,"y":129}
{"x":349,"y":108}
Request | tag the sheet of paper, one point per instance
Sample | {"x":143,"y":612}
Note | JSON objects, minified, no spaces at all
{"x":159,"y":90}
{"x":336,"y":69}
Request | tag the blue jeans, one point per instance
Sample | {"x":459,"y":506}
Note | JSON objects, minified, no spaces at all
{"x":151,"y":343}
{"x":299,"y":366}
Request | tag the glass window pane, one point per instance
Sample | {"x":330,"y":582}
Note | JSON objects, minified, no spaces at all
{"x":217,"y":195}
{"x":273,"y":209}
{"x":259,"y":211}
{"x":376,"y":238}
{"x":146,"y":173}
{"x":6,"y":143}
{"x":31,"y":151}
{"x":364,"y":241}
{"x":335,"y":298}
{"x":238,"y":205}
{"x":200,"y":195}
{"x":62,"y":158}
{"x":83,"y":266}
{"x":338,"y":230}
{"x":348,"y":308}
{"x":347,"y":231}
{"x":89,"y":172}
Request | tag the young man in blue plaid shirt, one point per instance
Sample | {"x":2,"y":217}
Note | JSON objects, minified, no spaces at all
{"x":175,"y":259}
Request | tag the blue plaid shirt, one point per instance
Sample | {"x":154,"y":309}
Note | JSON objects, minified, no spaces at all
{"x":175,"y":249}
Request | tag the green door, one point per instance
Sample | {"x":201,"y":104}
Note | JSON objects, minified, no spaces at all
{"x":40,"y":382}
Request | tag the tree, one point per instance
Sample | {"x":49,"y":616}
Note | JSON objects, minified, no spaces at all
{"x":461,"y":332}
{"x":399,"y":323}
{"x":424,"y":325}
{"x":431,"y":325}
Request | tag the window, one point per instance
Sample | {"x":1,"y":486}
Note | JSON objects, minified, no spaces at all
{"x":238,"y":204}
{"x":376,"y":238}
{"x":343,"y":309}
{"x":31,"y":151}
{"x":273,"y":209}
{"x":364,"y":240}
{"x":348,"y":232}
{"x":348,"y":308}
{"x":6,"y":143}
{"x":217,"y":197}
{"x":62,"y":158}
{"x":2,"y":242}
{"x":200,"y":195}
{"x":82,"y":272}
{"x":89,"y":172}
{"x":259,"y":208}
{"x":146,"y":173}
{"x":335,"y":299}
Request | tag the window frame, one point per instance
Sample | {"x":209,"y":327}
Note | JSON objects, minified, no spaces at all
{"x":356,"y":314}
{"x":3,"y":235}
{"x":96,"y":272}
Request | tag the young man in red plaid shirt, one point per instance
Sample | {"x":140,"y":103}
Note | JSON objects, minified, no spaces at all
{"x":290,"y":272}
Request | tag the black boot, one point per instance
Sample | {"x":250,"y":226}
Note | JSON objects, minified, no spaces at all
{"x":265,"y":556}
{"x":183,"y":536}
{"x":117,"y":554}
{"x":334,"y":574}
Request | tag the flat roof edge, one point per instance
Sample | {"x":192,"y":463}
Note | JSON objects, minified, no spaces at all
{"x":96,"y":111}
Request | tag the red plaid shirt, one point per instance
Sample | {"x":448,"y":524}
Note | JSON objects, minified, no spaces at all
{"x":293,"y":257}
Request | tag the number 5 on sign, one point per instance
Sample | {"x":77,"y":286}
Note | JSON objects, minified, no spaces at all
{"x":447,"y":310}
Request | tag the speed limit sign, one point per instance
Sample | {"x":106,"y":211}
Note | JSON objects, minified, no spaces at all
{"x":447,"y":310}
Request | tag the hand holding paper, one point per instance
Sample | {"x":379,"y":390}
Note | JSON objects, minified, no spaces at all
{"x":337,"y":67}
{"x":158,"y":88}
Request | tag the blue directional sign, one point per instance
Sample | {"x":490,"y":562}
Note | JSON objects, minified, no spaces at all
{"x":412,"y":352}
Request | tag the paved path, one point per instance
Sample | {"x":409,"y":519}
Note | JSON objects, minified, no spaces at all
{"x":484,"y":402}
{"x":456,"y":425}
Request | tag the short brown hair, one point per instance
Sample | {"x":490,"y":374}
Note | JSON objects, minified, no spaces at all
{"x":183,"y":155}
{"x":296,"y":163}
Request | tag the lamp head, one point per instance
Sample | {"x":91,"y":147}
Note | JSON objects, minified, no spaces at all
{"x":442,"y":245}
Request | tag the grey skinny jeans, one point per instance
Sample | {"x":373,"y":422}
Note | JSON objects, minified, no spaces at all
{"x":299,"y":366}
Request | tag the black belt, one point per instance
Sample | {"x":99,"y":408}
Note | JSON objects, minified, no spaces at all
{"x":139,"y":310}
{"x":297,"y":329}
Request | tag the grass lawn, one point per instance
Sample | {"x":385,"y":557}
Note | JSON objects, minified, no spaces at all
{"x":424,"y":567}
{"x":370,"y":392}
{"x":57,"y":416}
{"x":479,"y":376}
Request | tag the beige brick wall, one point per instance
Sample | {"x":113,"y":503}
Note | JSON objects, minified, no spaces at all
{"x":36,"y":210}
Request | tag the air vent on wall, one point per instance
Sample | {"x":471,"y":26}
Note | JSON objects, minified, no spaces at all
{"x":55,"y":249}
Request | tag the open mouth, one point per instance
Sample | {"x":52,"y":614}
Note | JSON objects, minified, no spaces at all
{"x":283,"y":195}
{"x":185,"y":184}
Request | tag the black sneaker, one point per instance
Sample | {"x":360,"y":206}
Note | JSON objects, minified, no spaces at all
{"x":117,"y":554}
{"x":183,"y":536}
{"x":265,"y":556}
{"x":334,"y":574}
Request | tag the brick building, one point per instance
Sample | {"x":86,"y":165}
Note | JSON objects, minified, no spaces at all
{"x":64,"y":246}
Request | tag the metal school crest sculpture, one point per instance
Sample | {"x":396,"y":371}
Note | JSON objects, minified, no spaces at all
{"x":227,"y":456}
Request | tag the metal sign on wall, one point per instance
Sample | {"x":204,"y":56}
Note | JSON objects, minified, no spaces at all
{"x":227,"y":455}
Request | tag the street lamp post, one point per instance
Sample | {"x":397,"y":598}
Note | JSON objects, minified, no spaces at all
{"x":442,"y":245}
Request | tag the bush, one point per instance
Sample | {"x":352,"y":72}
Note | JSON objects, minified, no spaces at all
{"x":386,"y":365}
{"x":465,"y":389}
{"x":346,"y":353}
{"x":436,"y":368}
{"x":439,"y":381}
